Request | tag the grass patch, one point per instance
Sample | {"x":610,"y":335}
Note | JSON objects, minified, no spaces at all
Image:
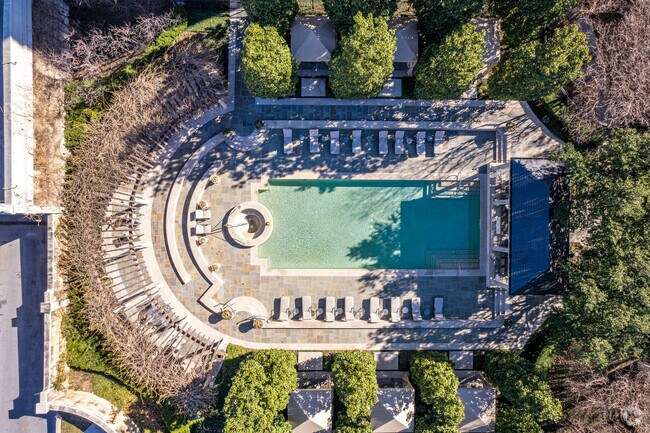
{"x":66,"y":427}
{"x":549,"y":110}
{"x":207,"y":19}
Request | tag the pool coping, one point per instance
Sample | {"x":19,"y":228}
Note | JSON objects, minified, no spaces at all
{"x":482,"y":271}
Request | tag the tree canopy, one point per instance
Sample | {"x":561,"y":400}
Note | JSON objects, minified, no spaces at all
{"x":447,"y":70}
{"x":438,"y":18}
{"x":524,"y":20}
{"x":525,"y":388}
{"x":536,"y":69}
{"x":606,"y":313}
{"x":259,"y":391}
{"x":513,"y":420}
{"x":355,"y":382}
{"x":342,"y":12}
{"x":268,"y":68}
{"x":276,"y":13}
{"x":434,"y":377}
{"x":363,"y":62}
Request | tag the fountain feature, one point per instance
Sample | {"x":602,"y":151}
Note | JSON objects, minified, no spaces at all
{"x":250,"y":224}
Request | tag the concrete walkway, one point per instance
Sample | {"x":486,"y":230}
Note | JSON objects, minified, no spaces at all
{"x":23,"y":280}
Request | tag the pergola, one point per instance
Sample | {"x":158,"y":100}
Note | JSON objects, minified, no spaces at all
{"x":406,"y":55}
{"x":310,"y":406}
{"x":313,"y":39}
{"x":395,"y":410}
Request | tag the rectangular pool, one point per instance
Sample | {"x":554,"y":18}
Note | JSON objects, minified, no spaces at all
{"x":372,"y":224}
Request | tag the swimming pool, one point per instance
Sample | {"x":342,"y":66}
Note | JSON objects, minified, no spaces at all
{"x":371,"y":224}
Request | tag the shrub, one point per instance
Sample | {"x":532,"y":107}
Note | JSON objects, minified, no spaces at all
{"x":449,"y":69}
{"x":268,"y":67}
{"x":524,"y":20}
{"x":535,"y":70}
{"x":276,"y":13}
{"x":345,"y":424}
{"x":355,"y":382}
{"x":437,"y":383}
{"x":259,"y":391}
{"x":343,"y":12}
{"x":364,"y":60}
{"x":438,"y":18}
{"x":517,"y":380}
{"x":512,"y":420}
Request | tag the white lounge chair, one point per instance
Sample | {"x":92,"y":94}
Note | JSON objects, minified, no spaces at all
{"x":202,"y":214}
{"x":374,"y":310}
{"x":395,"y":305}
{"x":349,"y":308}
{"x":399,"y":143}
{"x":330,"y":307}
{"x":421,"y":143}
{"x":313,"y":141}
{"x":415,"y":309}
{"x":335,"y":146}
{"x":202,"y":229}
{"x":283,"y":314}
{"x":439,"y":142}
{"x":437,"y":309}
{"x":288,"y":141}
{"x":305,"y":313}
{"x":356,"y":141}
{"x":383,"y":142}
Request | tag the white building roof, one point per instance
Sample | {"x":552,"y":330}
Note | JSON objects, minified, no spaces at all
{"x":313,"y":39}
{"x":395,"y":409}
{"x":479,"y":399}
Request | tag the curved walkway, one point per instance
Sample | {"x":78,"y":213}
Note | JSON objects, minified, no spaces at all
{"x":94,"y":409}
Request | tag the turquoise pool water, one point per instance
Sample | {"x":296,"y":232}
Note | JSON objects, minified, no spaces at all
{"x":371,"y":224}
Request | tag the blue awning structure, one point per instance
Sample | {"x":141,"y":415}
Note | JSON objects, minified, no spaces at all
{"x":537,"y":241}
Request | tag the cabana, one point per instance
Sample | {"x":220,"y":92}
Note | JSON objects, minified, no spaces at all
{"x":406,"y":55}
{"x":313,"y":39}
{"x":310,"y":405}
{"x":395,"y":410}
{"x":479,"y":399}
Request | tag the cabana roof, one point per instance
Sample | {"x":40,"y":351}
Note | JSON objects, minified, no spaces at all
{"x":395,"y":410}
{"x":310,"y":406}
{"x":313,"y":39}
{"x":406,"y":32}
{"x":479,"y":399}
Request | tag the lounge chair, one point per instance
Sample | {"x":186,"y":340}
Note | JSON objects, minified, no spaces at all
{"x":437,"y":309}
{"x":288,"y":141}
{"x":283,"y":314}
{"x":439,"y":142}
{"x":335,"y":147}
{"x":313,"y":141}
{"x":202,"y":229}
{"x":202,"y":214}
{"x":305,"y":312}
{"x":349,"y":308}
{"x":330,"y":307}
{"x":383,"y":142}
{"x":356,"y":141}
{"x":374,"y":310}
{"x":415,"y":309}
{"x":421,"y":143}
{"x":399,"y":143}
{"x":395,"y":305}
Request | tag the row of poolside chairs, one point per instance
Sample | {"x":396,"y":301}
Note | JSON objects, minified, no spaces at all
{"x":335,"y":143}
{"x":349,"y":313}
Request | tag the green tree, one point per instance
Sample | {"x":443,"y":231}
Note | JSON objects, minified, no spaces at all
{"x":345,"y":424}
{"x":519,"y":382}
{"x":434,"y":377}
{"x":513,"y":420}
{"x":281,"y":376}
{"x":342,"y":12}
{"x":606,"y":313}
{"x":535,"y":70}
{"x":364,"y":59}
{"x":438,"y":18}
{"x":276,"y":13}
{"x":447,"y":70}
{"x":524,"y":20}
{"x":268,"y":67}
{"x":243,"y":409}
{"x":355,"y":382}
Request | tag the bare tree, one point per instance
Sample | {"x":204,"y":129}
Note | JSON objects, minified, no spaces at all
{"x":116,"y":152}
{"x":615,"y":89}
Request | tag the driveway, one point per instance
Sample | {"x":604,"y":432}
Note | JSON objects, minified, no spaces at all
{"x":23,"y":279}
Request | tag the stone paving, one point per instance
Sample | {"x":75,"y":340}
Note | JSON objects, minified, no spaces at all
{"x":465,"y":297}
